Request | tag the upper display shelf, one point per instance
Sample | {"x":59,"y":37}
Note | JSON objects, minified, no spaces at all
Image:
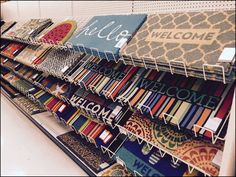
{"x":197,"y":44}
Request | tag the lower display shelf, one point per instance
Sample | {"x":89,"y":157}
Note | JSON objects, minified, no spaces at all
{"x":113,"y":147}
{"x":50,"y":127}
{"x":95,"y":161}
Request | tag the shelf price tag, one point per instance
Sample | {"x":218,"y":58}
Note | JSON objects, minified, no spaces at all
{"x":64,"y":69}
{"x":227,"y":55}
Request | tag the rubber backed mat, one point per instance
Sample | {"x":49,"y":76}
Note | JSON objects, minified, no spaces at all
{"x":87,"y":152}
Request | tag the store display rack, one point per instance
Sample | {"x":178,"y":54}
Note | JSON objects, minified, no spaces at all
{"x":50,"y":134}
{"x":124,"y":134}
{"x":53,"y":126}
{"x":108,"y":95}
{"x":81,"y":49}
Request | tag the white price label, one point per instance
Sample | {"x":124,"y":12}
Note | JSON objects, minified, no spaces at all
{"x":108,"y":138}
{"x":64,"y":69}
{"x":34,"y":58}
{"x":41,"y":36}
{"x":121,"y":42}
{"x":227,"y":55}
{"x":218,"y":158}
{"x":62,"y":108}
{"x":17,"y":65}
{"x":122,"y":131}
{"x":213,"y":123}
{"x":104,"y":134}
{"x":104,"y":165}
{"x":31,"y":31}
{"x":15,"y":51}
{"x":116,"y":110}
{"x":32,"y":89}
{"x":34,"y":77}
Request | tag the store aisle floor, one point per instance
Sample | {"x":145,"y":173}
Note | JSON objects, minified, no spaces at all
{"x":25,"y":150}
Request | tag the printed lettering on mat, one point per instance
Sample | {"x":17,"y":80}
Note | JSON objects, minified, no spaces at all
{"x":194,"y":38}
{"x":190,"y":36}
{"x":104,"y":70}
{"x":183,"y":94}
{"x":105,"y":35}
{"x":95,"y":108}
{"x":148,"y":162}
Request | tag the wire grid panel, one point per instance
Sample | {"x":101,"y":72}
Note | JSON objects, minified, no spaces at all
{"x":151,"y":7}
{"x":92,"y":8}
{"x":57,"y":10}
{"x":81,"y":21}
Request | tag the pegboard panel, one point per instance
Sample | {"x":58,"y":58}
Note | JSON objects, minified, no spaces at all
{"x":92,"y":8}
{"x":9,"y":11}
{"x":151,"y":7}
{"x":57,"y":10}
{"x":81,"y":20}
{"x":28,"y":9}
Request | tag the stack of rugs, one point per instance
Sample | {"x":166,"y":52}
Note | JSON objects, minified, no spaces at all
{"x":22,"y":70}
{"x":27,"y":105}
{"x":190,"y":39}
{"x":103,"y":109}
{"x":97,"y":133}
{"x":104,"y":36}
{"x":87,"y":152}
{"x":178,"y":143}
{"x":101,"y":76}
{"x":57,"y":62}
{"x":183,"y":101}
{"x":11,"y":49}
{"x":32,"y":54}
{"x":6,"y":26}
{"x":31,"y":28}
{"x":22,"y":85}
{"x":9,"y":89}
{"x":58,"y":33}
{"x":145,"y":162}
{"x":11,"y":32}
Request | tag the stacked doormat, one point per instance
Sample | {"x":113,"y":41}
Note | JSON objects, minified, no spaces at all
{"x":190,"y":39}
